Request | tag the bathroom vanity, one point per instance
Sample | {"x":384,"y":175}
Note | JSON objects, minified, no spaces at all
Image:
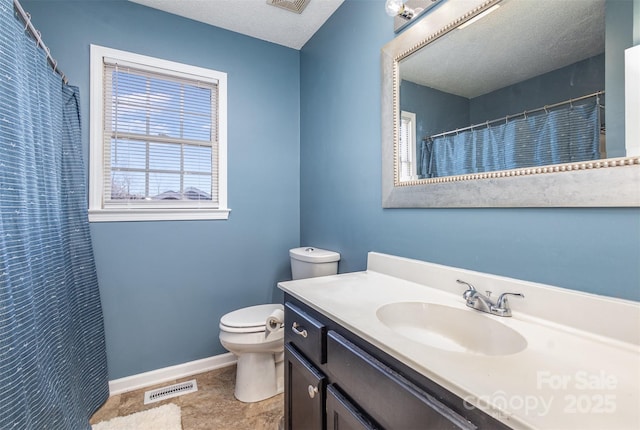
{"x":395,"y":347}
{"x":361,"y":387}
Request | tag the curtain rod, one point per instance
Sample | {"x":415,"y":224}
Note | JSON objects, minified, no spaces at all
{"x":525,"y":113}
{"x":26,"y":18}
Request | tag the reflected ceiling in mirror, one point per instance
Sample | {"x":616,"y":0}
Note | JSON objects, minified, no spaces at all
{"x":529,"y":65}
{"x":500,"y":105}
{"x":517,"y":41}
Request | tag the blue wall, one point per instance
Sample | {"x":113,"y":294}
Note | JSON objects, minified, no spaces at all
{"x":165,"y":285}
{"x":436,"y":111}
{"x":595,"y":250}
{"x":576,"y":80}
{"x":308,"y":181}
{"x":620,"y":27}
{"x":636,"y":20}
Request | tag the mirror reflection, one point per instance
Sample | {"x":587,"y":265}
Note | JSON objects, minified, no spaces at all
{"x":523,"y":86}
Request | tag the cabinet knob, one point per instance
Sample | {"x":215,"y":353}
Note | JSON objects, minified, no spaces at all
{"x":296,"y":330}
{"x":312,"y":391}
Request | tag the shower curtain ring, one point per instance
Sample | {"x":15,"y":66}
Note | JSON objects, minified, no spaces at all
{"x":27,"y":15}
{"x":545,"y":109}
{"x":525,"y":114}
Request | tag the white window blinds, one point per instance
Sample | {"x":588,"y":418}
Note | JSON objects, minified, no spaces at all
{"x":160,"y":138}
{"x":406,"y":148}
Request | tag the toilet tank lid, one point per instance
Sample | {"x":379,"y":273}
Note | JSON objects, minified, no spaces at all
{"x":314,"y":255}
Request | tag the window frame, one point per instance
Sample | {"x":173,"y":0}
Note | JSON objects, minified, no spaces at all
{"x":411,"y":149}
{"x":180,"y":210}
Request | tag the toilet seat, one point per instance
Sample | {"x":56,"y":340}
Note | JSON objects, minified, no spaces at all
{"x":248,"y":320}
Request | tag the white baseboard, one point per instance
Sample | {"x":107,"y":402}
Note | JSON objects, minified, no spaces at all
{"x":158,"y":376}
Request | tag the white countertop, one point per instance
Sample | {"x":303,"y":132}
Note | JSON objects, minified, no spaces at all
{"x":566,"y":377}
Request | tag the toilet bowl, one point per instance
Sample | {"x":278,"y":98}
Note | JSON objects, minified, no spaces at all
{"x":260,"y":351}
{"x":259,"y":345}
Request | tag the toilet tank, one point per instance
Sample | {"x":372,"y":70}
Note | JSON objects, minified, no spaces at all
{"x":309,"y":262}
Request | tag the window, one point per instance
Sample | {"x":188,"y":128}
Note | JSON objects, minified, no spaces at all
{"x":158,"y":139}
{"x":406,"y":153}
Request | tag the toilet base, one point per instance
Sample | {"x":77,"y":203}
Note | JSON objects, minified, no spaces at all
{"x":280,"y":371}
{"x":259,"y":375}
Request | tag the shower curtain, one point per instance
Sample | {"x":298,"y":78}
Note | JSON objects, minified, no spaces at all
{"x":53,"y":372}
{"x":566,"y":135}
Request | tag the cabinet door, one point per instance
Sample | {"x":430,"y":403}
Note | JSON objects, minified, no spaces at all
{"x":390,"y":399}
{"x":342,"y":415}
{"x":304,"y":392}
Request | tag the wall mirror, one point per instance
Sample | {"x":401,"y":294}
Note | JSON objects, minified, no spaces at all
{"x":507,"y":103}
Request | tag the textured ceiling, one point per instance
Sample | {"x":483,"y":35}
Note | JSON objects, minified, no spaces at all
{"x":254,"y":18}
{"x":520,"y":40}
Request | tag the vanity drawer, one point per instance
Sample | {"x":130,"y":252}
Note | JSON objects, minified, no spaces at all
{"x":306,"y":333}
{"x":390,"y":399}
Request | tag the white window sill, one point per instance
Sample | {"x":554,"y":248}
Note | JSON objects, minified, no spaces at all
{"x":115,"y":215}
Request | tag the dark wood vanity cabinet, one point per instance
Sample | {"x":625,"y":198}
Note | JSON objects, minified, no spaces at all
{"x":335,"y":380}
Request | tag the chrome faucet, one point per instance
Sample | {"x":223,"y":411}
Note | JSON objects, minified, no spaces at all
{"x":483,"y":303}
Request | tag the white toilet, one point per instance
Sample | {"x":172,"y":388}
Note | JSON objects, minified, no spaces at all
{"x":256,"y":334}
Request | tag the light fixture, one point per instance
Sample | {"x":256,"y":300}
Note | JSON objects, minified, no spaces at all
{"x":398,"y":8}
{"x":479,"y":16}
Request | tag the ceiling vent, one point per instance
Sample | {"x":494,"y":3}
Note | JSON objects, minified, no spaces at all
{"x":296,"y":6}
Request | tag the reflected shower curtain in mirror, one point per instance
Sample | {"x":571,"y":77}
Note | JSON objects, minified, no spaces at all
{"x":53,"y":372}
{"x":566,"y":135}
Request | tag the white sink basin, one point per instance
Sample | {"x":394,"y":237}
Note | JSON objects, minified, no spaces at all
{"x":451,"y":329}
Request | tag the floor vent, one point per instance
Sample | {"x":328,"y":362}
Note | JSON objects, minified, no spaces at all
{"x":296,"y":6}
{"x":175,"y":390}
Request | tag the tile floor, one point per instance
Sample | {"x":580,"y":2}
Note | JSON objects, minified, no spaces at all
{"x":212,"y":407}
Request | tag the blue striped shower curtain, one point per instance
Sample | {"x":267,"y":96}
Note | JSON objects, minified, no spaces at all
{"x":565,"y":135}
{"x":53,"y":372}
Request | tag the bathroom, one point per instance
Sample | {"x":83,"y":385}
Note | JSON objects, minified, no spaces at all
{"x":304,"y":168}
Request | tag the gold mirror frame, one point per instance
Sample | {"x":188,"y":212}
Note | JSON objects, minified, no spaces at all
{"x":613,"y":182}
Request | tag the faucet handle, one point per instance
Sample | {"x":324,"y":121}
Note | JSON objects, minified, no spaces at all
{"x":502,"y":298}
{"x":502,"y":305}
{"x":471,"y":291}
